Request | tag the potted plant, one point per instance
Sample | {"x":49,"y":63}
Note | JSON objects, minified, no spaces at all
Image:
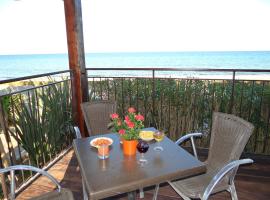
{"x":128,"y":129}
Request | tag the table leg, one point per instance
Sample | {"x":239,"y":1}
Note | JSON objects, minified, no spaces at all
{"x":85,"y":196}
{"x":132,"y":195}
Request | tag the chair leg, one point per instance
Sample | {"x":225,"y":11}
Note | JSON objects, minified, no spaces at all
{"x":141,"y":193}
{"x":232,"y":191}
{"x":156,"y":192}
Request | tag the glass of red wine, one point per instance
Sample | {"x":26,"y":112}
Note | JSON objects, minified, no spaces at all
{"x":142,"y":147}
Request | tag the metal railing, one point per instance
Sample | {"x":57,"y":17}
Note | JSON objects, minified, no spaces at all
{"x":35,"y":120}
{"x":181,"y":100}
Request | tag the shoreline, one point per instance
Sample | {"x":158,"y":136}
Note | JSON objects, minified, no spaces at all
{"x":17,"y":86}
{"x":240,"y":77}
{"x":246,"y":77}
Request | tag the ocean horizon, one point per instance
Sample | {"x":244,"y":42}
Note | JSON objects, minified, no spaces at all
{"x":13,"y":66}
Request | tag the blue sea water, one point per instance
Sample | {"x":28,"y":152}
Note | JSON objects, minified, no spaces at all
{"x":12,"y":66}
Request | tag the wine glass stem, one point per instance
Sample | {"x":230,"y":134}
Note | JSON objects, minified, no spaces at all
{"x":158,"y":147}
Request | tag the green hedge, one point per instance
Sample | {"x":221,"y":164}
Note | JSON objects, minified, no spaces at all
{"x":181,"y":106}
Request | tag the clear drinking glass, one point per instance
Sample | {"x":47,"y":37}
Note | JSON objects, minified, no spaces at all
{"x":142,"y":147}
{"x":158,"y":136}
{"x":103,"y":151}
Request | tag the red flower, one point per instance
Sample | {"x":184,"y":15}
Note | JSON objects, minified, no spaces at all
{"x":130,"y":125}
{"x":131,"y":110}
{"x":127,"y":119}
{"x":122,"y":131}
{"x":139,"y":117}
{"x":114,"y":116}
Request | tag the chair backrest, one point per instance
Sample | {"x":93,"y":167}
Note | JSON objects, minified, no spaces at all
{"x":97,"y":115}
{"x":229,"y":136}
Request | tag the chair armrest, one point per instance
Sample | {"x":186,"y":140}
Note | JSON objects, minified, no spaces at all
{"x":13,"y":168}
{"x":190,"y":136}
{"x":77,"y":132}
{"x":218,"y":177}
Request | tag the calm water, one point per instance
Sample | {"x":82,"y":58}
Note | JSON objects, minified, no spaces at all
{"x":12,"y":66}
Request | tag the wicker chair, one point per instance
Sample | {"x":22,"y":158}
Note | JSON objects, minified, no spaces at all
{"x":59,"y":194}
{"x":97,"y":115}
{"x":229,"y":136}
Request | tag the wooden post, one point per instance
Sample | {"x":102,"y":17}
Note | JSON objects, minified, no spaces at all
{"x":79,"y":82}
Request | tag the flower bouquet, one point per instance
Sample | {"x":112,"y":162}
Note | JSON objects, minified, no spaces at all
{"x":129,"y":127}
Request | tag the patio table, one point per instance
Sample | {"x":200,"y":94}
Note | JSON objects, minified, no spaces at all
{"x":122,"y":174}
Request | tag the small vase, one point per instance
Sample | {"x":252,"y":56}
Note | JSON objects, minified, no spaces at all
{"x":129,"y":147}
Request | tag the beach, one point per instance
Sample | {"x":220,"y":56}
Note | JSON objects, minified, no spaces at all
{"x":14,"y":66}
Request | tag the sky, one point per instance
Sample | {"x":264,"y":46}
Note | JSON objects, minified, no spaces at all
{"x":38,"y":26}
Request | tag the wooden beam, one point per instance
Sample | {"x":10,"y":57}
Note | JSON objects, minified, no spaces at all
{"x":74,"y":30}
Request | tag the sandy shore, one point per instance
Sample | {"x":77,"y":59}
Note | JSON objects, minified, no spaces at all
{"x":249,"y":77}
{"x":223,"y":77}
{"x":26,"y":84}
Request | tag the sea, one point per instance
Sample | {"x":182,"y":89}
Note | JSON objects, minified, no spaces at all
{"x":13,"y":66}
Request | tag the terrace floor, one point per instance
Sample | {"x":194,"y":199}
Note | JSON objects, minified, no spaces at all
{"x":252,"y":182}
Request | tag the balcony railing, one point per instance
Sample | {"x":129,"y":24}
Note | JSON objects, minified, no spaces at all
{"x":182,"y":100}
{"x":36,"y":120}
